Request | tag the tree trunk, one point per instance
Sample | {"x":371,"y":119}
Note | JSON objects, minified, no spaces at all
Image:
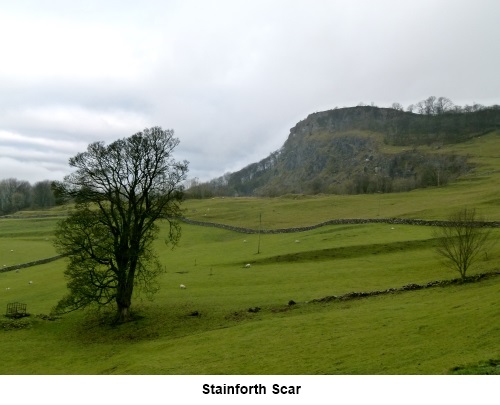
{"x":123,"y":302}
{"x":125,"y":286}
{"x":123,"y":314}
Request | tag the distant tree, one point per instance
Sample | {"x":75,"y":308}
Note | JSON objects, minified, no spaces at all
{"x":421,"y":108}
{"x":397,"y":106}
{"x":442,"y":105}
{"x":461,"y":241}
{"x":15,"y":195}
{"x":42,"y":195}
{"x":429,"y":106}
{"x":121,"y":191}
{"x":433,"y":106}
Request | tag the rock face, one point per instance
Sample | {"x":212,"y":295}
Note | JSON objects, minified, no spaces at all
{"x":342,"y":151}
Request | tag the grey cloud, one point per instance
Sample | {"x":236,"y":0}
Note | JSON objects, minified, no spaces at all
{"x":230,"y":77}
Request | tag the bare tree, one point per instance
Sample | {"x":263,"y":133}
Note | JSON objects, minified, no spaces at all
{"x":397,"y":106}
{"x":429,"y":105}
{"x":442,"y":105}
{"x":461,"y":240}
{"x":42,"y":194}
{"x":121,"y":191}
{"x":421,"y":108}
{"x":14,"y":195}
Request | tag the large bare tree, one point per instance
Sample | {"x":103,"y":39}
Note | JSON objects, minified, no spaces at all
{"x":461,"y":240}
{"x":121,"y":191}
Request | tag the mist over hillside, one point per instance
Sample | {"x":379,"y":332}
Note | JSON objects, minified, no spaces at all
{"x":363,"y":149}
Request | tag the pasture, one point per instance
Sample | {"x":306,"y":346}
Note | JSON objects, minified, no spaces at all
{"x":207,"y":327}
{"x":399,"y":333}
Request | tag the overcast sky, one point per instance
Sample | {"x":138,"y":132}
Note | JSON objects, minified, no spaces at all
{"x":230,"y":77}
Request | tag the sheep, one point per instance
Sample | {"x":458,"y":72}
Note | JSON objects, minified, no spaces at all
{"x":248,"y":265}
{"x":182,"y":286}
{"x":30,"y":282}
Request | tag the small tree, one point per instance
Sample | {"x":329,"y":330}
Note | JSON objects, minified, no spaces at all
{"x":461,"y":240}
{"x":121,"y":191}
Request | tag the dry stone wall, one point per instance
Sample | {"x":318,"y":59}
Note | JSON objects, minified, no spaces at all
{"x":408,"y":287}
{"x":393,"y":221}
{"x":352,"y":221}
{"x":30,"y":264}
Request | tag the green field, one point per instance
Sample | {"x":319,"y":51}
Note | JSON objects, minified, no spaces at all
{"x":207,"y":328}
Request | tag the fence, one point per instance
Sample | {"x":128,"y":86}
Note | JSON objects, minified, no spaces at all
{"x":16,"y":310}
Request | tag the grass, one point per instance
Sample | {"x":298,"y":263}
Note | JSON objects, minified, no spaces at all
{"x":23,"y":241}
{"x":490,"y":367}
{"x":207,"y":328}
{"x":335,"y":338}
{"x":430,"y":330}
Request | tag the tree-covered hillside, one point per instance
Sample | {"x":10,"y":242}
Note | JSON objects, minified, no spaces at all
{"x":363,"y":149}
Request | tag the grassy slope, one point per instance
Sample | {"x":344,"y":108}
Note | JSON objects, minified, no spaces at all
{"x":478,"y":189}
{"x":24,"y":241}
{"x":422,"y":332}
{"x":402,"y":334}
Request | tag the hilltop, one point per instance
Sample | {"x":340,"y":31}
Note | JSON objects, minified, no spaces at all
{"x":359,"y":150}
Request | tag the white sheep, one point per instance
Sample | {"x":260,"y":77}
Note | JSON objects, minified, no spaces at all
{"x":30,"y":282}
{"x":248,"y":265}
{"x":182,"y":286}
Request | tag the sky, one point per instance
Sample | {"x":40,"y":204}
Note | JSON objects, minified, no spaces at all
{"x":229,"y":77}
